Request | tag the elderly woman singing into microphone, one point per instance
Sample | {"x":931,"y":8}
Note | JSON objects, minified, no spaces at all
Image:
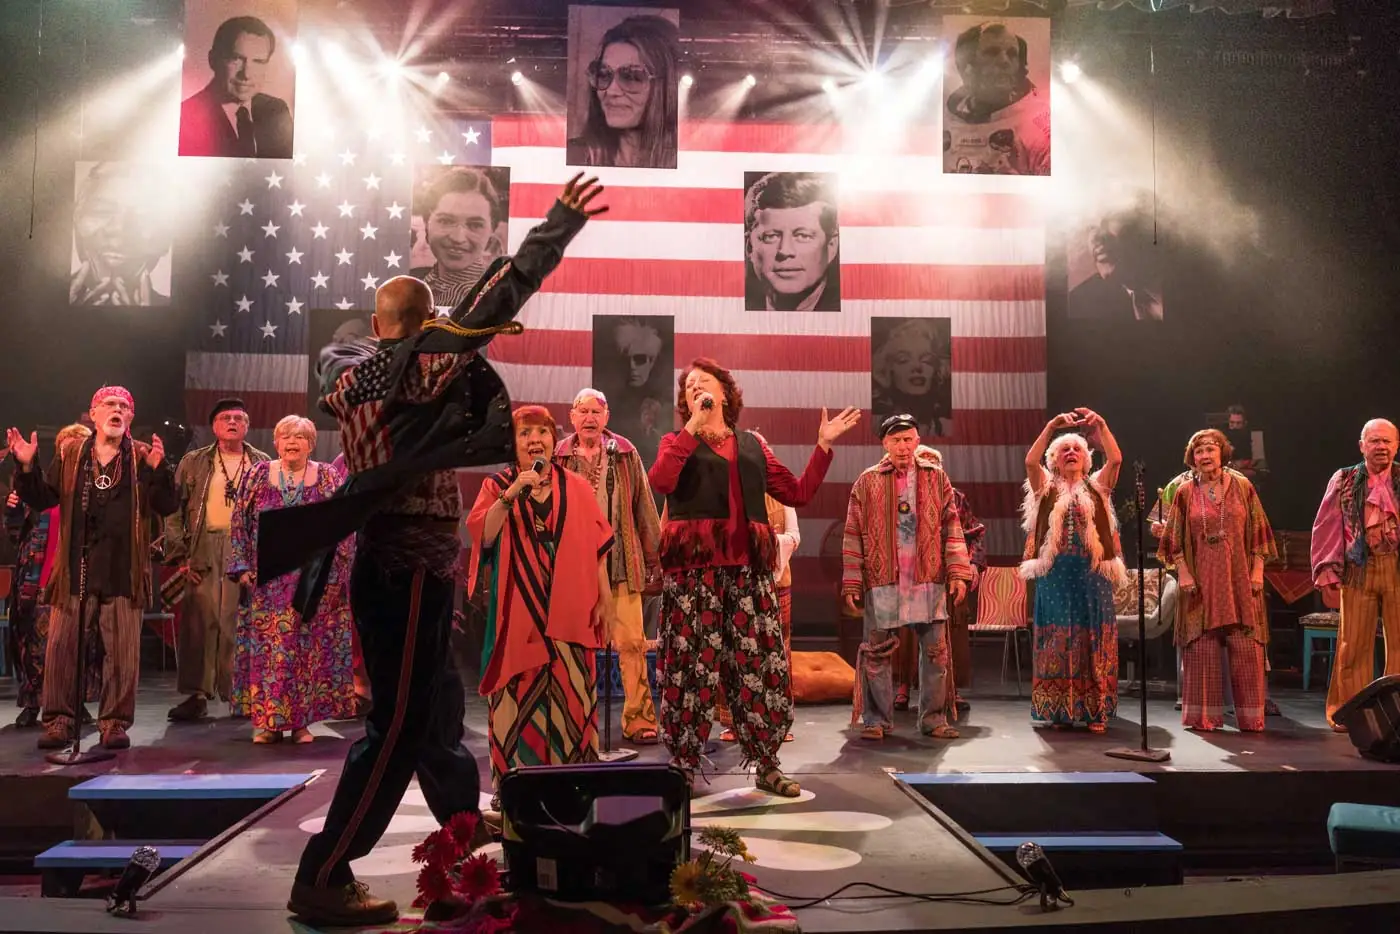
{"x":541,"y":543}
{"x":720,"y":623}
{"x":1218,"y":538}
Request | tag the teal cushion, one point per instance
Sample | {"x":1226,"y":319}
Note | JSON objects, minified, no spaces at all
{"x":1367,"y":831}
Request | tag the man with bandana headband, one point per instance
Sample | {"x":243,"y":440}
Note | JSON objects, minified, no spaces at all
{"x":108,"y":488}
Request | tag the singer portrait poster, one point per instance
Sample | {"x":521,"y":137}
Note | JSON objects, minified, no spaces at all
{"x":122,"y":234}
{"x":792,"y":242}
{"x":623,"y":87}
{"x":634,"y":365}
{"x":911,"y":371}
{"x":996,"y":115}
{"x":238,"y":84}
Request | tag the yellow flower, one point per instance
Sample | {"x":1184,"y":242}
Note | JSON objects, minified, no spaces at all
{"x":746,"y":856}
{"x":685,"y":883}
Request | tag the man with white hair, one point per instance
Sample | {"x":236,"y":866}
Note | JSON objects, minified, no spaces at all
{"x":997,"y":122}
{"x":1355,"y":543}
{"x":108,"y":488}
{"x":613,"y":467}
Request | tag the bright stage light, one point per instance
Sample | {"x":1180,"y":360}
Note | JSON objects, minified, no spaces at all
{"x":687,"y":80}
{"x":750,"y":80}
{"x":873,"y":79}
{"x":516,"y":78}
{"x":829,"y":85}
{"x":392,"y":68}
{"x":1070,"y":72}
{"x":181,"y":50}
{"x":442,"y":78}
{"x":933,"y":66}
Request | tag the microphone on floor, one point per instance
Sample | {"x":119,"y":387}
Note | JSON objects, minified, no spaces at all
{"x":144,"y":862}
{"x":1036,"y":867}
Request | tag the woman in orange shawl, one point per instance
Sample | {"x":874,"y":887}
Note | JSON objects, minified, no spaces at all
{"x":540,"y":543}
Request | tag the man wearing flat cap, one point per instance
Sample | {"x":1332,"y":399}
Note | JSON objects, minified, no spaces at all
{"x":197,"y":542}
{"x":904,"y":562}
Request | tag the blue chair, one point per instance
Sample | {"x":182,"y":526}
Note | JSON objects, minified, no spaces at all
{"x":1364,"y":836}
{"x":1319,"y":627}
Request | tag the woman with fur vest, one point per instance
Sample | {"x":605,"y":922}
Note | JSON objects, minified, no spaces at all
{"x":1074,"y":554}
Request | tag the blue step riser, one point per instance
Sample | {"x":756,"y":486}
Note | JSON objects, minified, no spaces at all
{"x":164,"y":787}
{"x":1045,"y":809}
{"x":1083,"y":871}
{"x":98,"y":856}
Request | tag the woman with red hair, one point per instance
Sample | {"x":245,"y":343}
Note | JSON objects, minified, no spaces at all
{"x":541,"y":544}
{"x":1218,"y":538}
{"x":720,"y":625}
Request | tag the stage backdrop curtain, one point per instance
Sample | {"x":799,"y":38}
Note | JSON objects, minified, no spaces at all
{"x":1295,"y":9}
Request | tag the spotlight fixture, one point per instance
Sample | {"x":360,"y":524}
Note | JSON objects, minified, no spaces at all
{"x":517,"y":78}
{"x":750,"y":80}
{"x":1070,"y":72}
{"x":829,"y":85}
{"x":687,"y":80}
{"x":873,"y":78}
{"x":442,"y":78}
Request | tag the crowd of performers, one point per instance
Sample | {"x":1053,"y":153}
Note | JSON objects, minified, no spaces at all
{"x":291,"y":619}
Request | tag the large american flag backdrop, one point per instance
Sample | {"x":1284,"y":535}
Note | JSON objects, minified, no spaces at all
{"x":914,"y":243}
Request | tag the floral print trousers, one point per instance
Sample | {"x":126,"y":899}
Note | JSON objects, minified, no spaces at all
{"x":721,"y":627}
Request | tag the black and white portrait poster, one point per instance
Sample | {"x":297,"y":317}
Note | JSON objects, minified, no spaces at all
{"x":634,"y":365}
{"x":460,"y":216}
{"x":623,"y":87}
{"x":239,"y":81}
{"x":996,"y":104}
{"x":1115,"y":268}
{"x":122,"y":234}
{"x":911,"y":372}
{"x":324,"y":328}
{"x":792,"y":242}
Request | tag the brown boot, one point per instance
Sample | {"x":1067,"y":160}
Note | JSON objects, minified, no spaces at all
{"x":114,"y":737}
{"x":342,"y":906}
{"x":194,"y":707}
{"x":56,"y":735}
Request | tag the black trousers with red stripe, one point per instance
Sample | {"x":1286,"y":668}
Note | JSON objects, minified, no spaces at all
{"x":415,"y":727}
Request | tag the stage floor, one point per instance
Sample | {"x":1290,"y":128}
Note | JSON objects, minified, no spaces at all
{"x":852,"y":823}
{"x":997,"y":736}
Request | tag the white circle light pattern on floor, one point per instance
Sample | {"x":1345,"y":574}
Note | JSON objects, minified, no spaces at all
{"x":413,"y":821}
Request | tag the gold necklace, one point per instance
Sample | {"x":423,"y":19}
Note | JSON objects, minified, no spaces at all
{"x":714,"y":436}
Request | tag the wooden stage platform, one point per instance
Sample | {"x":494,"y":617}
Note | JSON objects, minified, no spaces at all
{"x":1249,"y":811}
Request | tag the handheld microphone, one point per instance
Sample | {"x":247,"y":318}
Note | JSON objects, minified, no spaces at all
{"x":707,"y":403}
{"x":1036,"y":867}
{"x":538,"y":467}
{"x":145,"y":860}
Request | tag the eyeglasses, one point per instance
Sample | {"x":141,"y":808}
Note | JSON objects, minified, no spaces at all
{"x":630,"y":78}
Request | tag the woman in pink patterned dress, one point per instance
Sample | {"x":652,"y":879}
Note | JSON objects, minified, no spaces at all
{"x":288,"y":674}
{"x":1218,"y":538}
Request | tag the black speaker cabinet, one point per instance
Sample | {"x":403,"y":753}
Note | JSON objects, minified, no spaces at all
{"x":597,"y":832}
{"x":1372,"y":719}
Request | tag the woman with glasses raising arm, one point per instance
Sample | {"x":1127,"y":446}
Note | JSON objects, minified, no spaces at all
{"x":634,"y":104}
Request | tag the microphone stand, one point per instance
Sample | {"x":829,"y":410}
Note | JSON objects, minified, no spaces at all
{"x":74,"y":755}
{"x":609,"y":754}
{"x":1145,"y":753}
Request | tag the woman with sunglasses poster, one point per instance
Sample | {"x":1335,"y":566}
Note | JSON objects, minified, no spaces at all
{"x":632,"y":93}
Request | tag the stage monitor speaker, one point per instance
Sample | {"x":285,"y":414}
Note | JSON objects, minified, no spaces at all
{"x":595,"y":832}
{"x":1372,"y":719}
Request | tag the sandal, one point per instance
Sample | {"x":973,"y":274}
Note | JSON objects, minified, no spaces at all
{"x":646,"y":736}
{"x":302,"y":737}
{"x":728,"y":736}
{"x":901,"y":699}
{"x":776,"y":783}
{"x":943,"y":731}
{"x":874,"y":732}
{"x":265,"y":737}
{"x":787,"y":737}
{"x":1098,"y":728}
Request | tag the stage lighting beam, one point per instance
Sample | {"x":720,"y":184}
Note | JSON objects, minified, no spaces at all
{"x":1070,"y":72}
{"x":517,"y":78}
{"x":750,"y":81}
{"x":687,"y":80}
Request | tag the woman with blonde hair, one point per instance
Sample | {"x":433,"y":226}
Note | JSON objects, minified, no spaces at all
{"x":1074,"y":554}
{"x":1218,"y":538}
{"x":288,"y":672}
